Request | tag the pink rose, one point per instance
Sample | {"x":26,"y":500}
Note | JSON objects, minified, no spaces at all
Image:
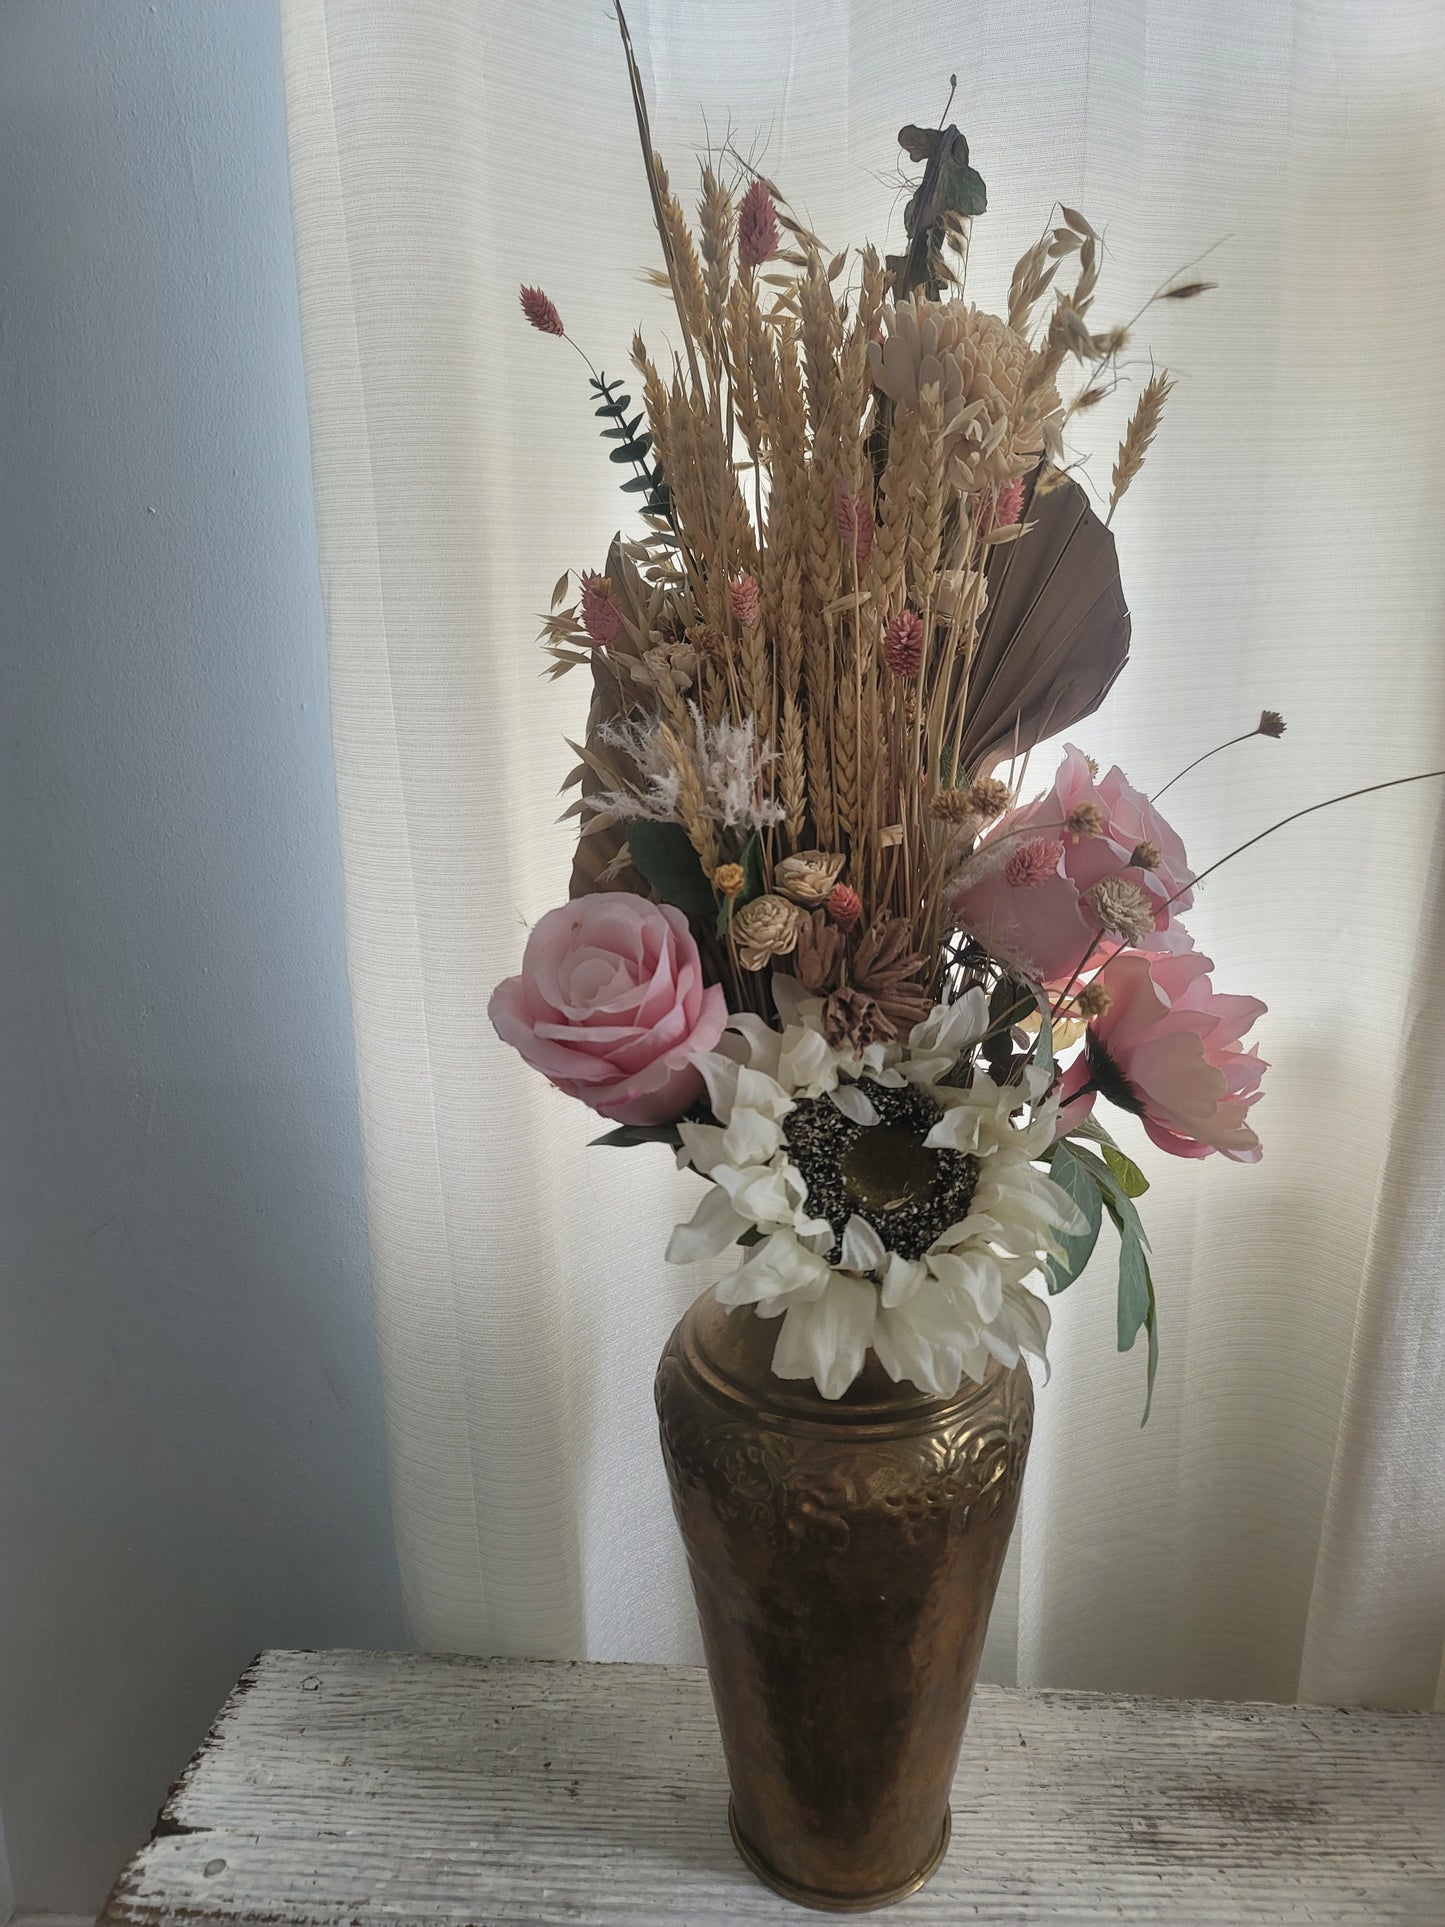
{"x":1023,"y":893}
{"x":611,"y":1005}
{"x":1168,"y":1048}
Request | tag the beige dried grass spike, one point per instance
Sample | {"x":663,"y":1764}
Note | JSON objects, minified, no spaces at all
{"x":1143,"y":426}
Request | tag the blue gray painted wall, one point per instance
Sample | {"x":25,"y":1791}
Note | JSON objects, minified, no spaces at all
{"x":191,"y":1453}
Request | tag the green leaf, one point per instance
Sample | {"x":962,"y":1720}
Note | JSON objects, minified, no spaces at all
{"x":1072,"y":1176}
{"x":635,"y":484}
{"x":1126,"y":1171}
{"x":664,"y":856}
{"x":1121,"y":1205}
{"x":641,"y":1134}
{"x":1134,"y":1289}
{"x":632,"y":451}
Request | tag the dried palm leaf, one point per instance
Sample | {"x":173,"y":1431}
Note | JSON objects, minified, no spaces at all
{"x":1055,"y":635}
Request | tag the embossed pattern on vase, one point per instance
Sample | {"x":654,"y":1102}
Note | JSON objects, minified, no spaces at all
{"x":844,"y":1557}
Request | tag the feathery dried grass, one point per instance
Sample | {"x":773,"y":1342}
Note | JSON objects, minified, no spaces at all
{"x":1143,"y":426}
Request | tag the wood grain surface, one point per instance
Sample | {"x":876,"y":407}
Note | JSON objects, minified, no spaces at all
{"x":364,"y":1788}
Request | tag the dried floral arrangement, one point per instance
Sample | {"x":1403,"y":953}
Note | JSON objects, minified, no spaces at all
{"x":817,"y":940}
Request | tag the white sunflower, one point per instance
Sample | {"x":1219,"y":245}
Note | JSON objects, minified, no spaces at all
{"x":888,"y":1196}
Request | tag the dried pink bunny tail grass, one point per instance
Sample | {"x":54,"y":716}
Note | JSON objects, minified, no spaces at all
{"x":845,"y":906}
{"x":854,"y":516}
{"x":601,"y":611}
{"x":743,"y":599}
{"x":1033,"y":864}
{"x":541,"y":311}
{"x":903,"y":643}
{"x":757,"y":227}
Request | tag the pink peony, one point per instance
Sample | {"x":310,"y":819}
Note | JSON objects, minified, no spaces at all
{"x":1040,"y":923}
{"x":610,"y":1006}
{"x":1168,"y":1048}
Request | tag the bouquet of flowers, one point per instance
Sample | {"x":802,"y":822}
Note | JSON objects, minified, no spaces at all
{"x":818,"y":940}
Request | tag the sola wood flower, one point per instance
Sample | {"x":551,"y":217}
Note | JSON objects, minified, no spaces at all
{"x":765,"y":928}
{"x":889,"y":1206}
{"x":809,"y":876}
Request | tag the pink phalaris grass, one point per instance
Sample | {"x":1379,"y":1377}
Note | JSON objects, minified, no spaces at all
{"x":1032,"y":864}
{"x":854,"y":516}
{"x":743,"y":599}
{"x":757,"y":227}
{"x":845,"y":906}
{"x":903,"y":643}
{"x":1010,"y":504}
{"x":541,"y":311}
{"x":601,"y":611}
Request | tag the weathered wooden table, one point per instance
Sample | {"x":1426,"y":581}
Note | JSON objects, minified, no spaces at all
{"x":362,"y":1788}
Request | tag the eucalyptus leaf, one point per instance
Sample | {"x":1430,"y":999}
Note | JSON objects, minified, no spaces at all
{"x":662,"y":853}
{"x":1073,"y":1177}
{"x":1125,"y":1170}
{"x":641,"y":1134}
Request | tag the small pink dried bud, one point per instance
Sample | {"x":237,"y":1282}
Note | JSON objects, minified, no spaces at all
{"x":743,"y":600}
{"x":757,"y":227}
{"x":1094,"y":1000}
{"x":845,"y":906}
{"x":1146,"y":856}
{"x":601,"y":611}
{"x":903,"y":643}
{"x":1271,"y":723}
{"x":1033,"y":864}
{"x":854,"y":516}
{"x":1084,"y":819}
{"x":541,"y":311}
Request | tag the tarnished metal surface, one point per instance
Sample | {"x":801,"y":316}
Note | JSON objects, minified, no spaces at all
{"x":844,"y":1558}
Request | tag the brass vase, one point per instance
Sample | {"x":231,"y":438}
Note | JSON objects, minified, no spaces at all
{"x":844,"y":1557}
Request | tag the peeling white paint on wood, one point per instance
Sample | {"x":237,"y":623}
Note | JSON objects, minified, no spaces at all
{"x":365,"y":1788}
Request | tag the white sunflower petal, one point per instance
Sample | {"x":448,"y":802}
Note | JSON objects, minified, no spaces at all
{"x":855,"y":1104}
{"x":710,"y":1230}
{"x":827,"y":1338}
{"x":863,"y":1249}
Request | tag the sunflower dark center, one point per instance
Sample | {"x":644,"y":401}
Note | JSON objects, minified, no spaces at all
{"x":884,"y":1171}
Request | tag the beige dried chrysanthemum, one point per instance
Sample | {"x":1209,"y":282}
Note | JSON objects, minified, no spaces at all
{"x":979,"y":366}
{"x":808,"y":877}
{"x":1122,"y":907}
{"x":766,"y":928}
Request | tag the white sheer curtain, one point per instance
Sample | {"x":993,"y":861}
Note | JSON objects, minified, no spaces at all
{"x":1279,"y":1529}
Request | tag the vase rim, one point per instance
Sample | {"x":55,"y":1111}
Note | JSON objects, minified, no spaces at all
{"x":873,"y":1402}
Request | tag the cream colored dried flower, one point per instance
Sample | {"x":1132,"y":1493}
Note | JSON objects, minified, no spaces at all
{"x":674,"y":662}
{"x":988,"y":796}
{"x":1122,"y":907}
{"x":729,"y":878}
{"x":1094,"y":1000}
{"x":809,"y":876}
{"x":956,"y":806}
{"x":979,"y":365}
{"x":766,"y":928}
{"x":1146,"y":856}
{"x":1084,"y":819}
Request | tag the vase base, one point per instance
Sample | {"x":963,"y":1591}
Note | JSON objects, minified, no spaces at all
{"x":839,"y":1903}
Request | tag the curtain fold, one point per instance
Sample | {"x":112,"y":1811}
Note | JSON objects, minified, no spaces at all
{"x":1279,"y":1528}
